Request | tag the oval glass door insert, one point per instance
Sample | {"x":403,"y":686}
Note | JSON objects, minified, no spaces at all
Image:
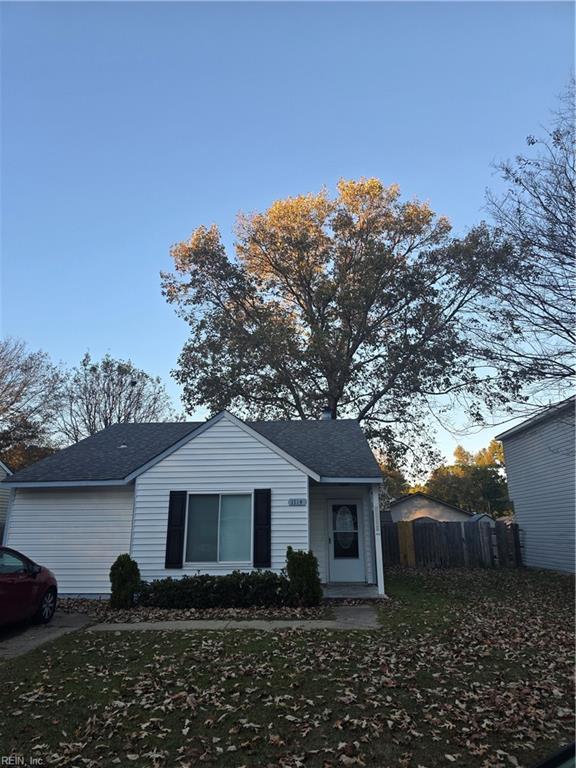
{"x":345,"y":530}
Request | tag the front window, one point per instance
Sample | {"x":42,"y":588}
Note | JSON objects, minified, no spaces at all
{"x":219,"y":528}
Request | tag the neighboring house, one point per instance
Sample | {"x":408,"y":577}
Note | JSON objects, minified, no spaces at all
{"x":420,"y":505}
{"x":211,"y":497}
{"x":4,"y":497}
{"x":539,"y":456}
{"x":482,"y":517}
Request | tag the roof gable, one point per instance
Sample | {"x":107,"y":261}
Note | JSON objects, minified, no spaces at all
{"x":244,"y":426}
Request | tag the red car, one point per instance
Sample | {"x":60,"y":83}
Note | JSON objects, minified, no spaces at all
{"x":27,"y":590}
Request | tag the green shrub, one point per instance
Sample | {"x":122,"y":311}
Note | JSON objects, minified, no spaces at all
{"x":234,"y":590}
{"x":261,"y":589}
{"x":302,"y":569}
{"x":125,"y":580}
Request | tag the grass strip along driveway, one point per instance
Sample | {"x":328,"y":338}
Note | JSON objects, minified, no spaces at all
{"x":470,"y":668}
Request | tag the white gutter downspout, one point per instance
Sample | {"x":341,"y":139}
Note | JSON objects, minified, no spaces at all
{"x":378,"y":541}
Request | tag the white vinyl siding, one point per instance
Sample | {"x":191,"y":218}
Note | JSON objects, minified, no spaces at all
{"x":4,"y":499}
{"x":320,"y":496}
{"x":540,"y":469}
{"x":223,"y":459}
{"x":77,"y":533}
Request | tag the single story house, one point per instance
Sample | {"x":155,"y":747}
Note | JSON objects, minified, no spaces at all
{"x":414,"y":506}
{"x":539,"y":456}
{"x":4,"y":496}
{"x":210,"y":497}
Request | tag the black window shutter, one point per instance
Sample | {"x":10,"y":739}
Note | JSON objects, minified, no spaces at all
{"x":175,"y":532}
{"x":262,"y":528}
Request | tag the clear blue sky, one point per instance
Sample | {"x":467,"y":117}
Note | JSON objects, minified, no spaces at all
{"x":126,"y":125}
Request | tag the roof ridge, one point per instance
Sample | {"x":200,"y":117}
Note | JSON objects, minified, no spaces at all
{"x":301,"y":421}
{"x":145,"y":424}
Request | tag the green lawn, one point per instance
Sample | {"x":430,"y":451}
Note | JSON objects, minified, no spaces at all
{"x":469,"y":669}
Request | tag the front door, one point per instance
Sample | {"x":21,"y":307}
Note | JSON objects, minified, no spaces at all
{"x":345,"y":541}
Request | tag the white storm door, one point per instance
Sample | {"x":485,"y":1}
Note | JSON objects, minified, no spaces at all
{"x":345,"y":541}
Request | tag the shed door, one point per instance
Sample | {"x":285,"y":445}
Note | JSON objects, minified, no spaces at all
{"x":346,"y":542}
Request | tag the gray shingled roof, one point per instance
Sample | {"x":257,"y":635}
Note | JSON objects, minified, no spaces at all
{"x":100,"y":457}
{"x":329,"y":448}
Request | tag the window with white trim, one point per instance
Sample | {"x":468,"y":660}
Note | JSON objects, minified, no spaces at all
{"x":219,"y":528}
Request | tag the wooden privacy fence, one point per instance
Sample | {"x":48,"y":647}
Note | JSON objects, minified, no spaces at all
{"x":451,"y":545}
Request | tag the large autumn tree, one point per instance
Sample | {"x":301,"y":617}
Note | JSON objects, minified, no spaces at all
{"x":361,"y":302}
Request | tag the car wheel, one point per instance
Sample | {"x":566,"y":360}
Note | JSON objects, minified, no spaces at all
{"x":47,"y":607}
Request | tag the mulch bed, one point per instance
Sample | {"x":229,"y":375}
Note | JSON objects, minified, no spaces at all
{"x":101,"y":610}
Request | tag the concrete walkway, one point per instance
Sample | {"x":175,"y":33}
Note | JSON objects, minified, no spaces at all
{"x":346,"y":617}
{"x":17,"y":640}
{"x":356,"y":617}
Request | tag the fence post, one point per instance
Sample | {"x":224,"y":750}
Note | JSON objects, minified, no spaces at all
{"x":505,"y":545}
{"x":494,"y":544}
{"x":516,"y":541}
{"x":406,"y":543}
{"x":464,"y":545}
